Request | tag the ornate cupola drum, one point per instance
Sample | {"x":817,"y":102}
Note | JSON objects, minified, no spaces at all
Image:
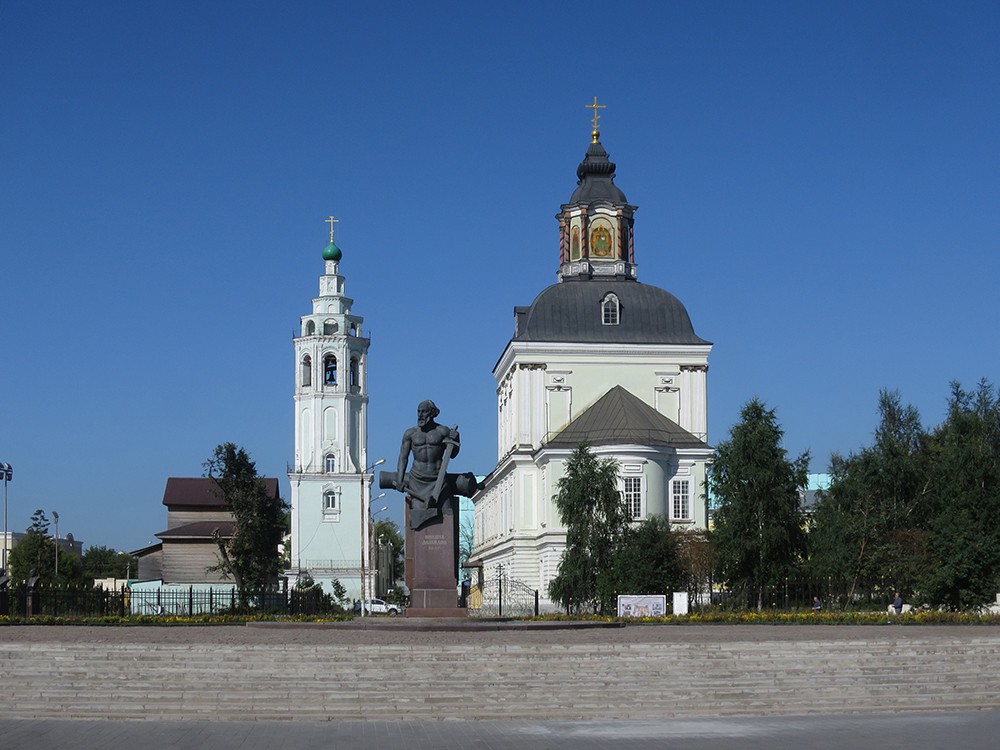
{"x":595,"y":226}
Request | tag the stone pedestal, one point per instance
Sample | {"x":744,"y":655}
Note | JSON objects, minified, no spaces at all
{"x":432,"y":566}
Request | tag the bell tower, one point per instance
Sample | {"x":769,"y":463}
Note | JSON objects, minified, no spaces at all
{"x":595,"y":226}
{"x":328,"y":479}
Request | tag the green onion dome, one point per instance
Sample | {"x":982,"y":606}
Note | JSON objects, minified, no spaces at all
{"x":332,"y":252}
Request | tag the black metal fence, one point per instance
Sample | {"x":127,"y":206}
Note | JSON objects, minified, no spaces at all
{"x":164,"y":602}
{"x":497,"y":597}
{"x":793,"y":594}
{"x":502,"y":597}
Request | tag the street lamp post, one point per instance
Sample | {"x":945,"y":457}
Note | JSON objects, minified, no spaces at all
{"x":372,"y":549}
{"x":372,"y":562}
{"x":8,"y":474}
{"x":55,"y":517}
{"x":365,"y":491}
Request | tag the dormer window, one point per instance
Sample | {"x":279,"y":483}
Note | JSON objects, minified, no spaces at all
{"x":329,"y":370}
{"x":610,"y":310}
{"x":330,"y":463}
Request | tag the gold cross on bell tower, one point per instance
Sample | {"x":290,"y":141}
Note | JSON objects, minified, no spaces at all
{"x":331,"y":221}
{"x":595,"y":133}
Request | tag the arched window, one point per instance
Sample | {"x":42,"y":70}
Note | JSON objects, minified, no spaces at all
{"x":330,"y":463}
{"x":329,"y":370}
{"x":354,"y":329}
{"x":329,"y":501}
{"x":307,"y":371}
{"x":329,"y":327}
{"x":610,"y":310}
{"x":311,"y":328}
{"x":355,"y":373}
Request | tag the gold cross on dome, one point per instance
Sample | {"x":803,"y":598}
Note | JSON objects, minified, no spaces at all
{"x":331,"y":221}
{"x":595,"y":106}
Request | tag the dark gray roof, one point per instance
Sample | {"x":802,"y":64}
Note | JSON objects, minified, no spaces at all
{"x":203,"y":492}
{"x":595,"y":178}
{"x":149,"y":549}
{"x":571,"y":312}
{"x":621,"y":418}
{"x":199,"y":530}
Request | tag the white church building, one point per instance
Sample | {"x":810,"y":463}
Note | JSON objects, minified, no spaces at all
{"x":601,"y":358}
{"x":330,"y":478}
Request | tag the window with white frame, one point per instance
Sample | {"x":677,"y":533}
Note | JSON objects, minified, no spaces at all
{"x":680,"y":499}
{"x":632,"y":495}
{"x":330,"y":501}
{"x":330,"y":462}
{"x":610,"y":310}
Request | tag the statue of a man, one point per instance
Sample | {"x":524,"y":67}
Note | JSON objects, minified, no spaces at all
{"x":428,"y":485}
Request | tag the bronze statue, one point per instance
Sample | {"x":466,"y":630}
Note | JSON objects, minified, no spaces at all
{"x":428,"y":485}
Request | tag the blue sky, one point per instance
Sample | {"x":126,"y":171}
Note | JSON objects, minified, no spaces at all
{"x":817,"y":182}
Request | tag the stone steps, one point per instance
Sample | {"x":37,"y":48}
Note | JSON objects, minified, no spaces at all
{"x":529,"y":681}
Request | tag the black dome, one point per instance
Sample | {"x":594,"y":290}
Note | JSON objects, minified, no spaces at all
{"x":595,"y":178}
{"x":571,"y":312}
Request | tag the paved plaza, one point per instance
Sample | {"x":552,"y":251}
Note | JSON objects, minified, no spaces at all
{"x":395,"y":686}
{"x":878,"y":732}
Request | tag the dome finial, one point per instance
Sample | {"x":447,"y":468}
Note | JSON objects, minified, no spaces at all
{"x":331,"y":221}
{"x":595,"y":134}
{"x":331,"y":251}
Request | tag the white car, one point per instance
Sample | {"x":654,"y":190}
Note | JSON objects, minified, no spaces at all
{"x":379,"y":607}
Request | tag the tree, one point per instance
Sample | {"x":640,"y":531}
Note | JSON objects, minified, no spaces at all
{"x":870,"y":523}
{"x":39,"y":523}
{"x":596,"y":520}
{"x":250,"y":557}
{"x":648,"y":562}
{"x":386,"y":532}
{"x":466,"y":543}
{"x":322,"y":601}
{"x":696,"y":555}
{"x":32,"y":556}
{"x":964,"y":488}
{"x":104,"y":562}
{"x":758,"y":533}
{"x":35,"y":554}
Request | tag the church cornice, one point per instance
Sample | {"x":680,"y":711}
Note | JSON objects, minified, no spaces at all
{"x":696,"y":354}
{"x":335,"y":338}
{"x":518,"y":457}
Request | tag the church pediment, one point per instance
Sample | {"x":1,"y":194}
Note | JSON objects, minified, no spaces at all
{"x":621,"y":418}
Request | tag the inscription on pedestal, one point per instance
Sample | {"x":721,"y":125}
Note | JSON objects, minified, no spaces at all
{"x":435,"y":552}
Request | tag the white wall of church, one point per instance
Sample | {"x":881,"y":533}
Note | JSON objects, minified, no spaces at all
{"x":541,"y":388}
{"x":326,"y":541}
{"x":518,"y":526}
{"x":328,"y":483}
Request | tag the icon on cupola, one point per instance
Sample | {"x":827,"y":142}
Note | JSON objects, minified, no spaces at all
{"x":600,"y":242}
